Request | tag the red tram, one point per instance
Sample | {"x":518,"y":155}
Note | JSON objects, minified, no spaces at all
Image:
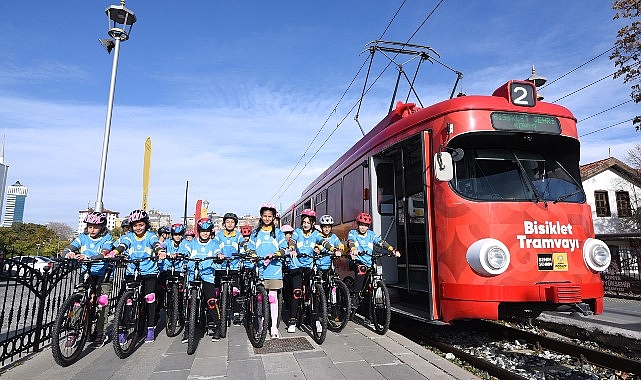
{"x":483,"y":196}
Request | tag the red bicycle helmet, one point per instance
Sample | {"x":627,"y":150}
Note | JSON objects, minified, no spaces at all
{"x":246,"y":231}
{"x":364,"y":218}
{"x":190,"y":233}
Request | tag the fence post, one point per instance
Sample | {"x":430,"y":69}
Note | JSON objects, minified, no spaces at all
{"x":42,"y":300}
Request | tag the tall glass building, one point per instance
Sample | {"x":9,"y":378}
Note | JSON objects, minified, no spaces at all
{"x":4,"y":168}
{"x":14,"y":210}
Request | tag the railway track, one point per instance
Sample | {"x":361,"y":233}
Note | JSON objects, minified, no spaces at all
{"x":506,"y":352}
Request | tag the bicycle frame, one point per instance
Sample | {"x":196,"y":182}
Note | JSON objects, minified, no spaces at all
{"x":194,"y":286}
{"x":130,"y":312}
{"x":76,"y":319}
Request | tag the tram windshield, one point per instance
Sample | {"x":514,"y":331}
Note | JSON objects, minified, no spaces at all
{"x":499,"y":174}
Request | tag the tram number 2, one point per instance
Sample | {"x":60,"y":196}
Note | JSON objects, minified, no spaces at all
{"x":522,"y":94}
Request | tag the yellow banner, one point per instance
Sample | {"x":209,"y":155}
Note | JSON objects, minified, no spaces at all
{"x":146,"y":168}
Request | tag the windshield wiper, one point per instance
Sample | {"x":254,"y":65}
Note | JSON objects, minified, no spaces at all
{"x":527,"y":180}
{"x":566,"y":196}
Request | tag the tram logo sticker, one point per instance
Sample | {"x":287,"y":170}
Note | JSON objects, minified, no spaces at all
{"x":557,"y":262}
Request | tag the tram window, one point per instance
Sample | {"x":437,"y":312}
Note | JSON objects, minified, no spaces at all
{"x":502,"y":174}
{"x":353,"y":193}
{"x":334,"y":201}
{"x":385,"y":186}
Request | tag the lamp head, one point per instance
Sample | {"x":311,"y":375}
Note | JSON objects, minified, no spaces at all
{"x":121,"y":20}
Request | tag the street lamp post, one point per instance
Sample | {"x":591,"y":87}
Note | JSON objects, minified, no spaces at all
{"x":121,"y":21}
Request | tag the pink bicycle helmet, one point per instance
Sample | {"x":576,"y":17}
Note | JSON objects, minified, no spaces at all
{"x":286,"y":228}
{"x":96,"y":218}
{"x":308,"y":212}
{"x":268,"y":206}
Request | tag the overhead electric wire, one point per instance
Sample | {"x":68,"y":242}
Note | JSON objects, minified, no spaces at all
{"x":584,"y":87}
{"x":333,"y":110}
{"x":604,"y":111}
{"x":355,"y":105}
{"x":604,"y":128}
{"x":575,"y":69}
{"x":317,"y":133}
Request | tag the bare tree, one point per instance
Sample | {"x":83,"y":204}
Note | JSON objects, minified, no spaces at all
{"x":633,"y":158}
{"x":627,"y":49}
{"x":63,"y":231}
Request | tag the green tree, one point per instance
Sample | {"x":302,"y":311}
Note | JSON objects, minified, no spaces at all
{"x":627,"y":49}
{"x":28,"y":239}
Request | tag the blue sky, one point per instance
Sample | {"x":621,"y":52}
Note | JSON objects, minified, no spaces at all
{"x":232,"y":93}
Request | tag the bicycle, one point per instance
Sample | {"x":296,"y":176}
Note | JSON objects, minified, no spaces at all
{"x":131,"y":310}
{"x":227,"y":297}
{"x":375,"y":292}
{"x":338,"y":300}
{"x":175,"y":293}
{"x":256,"y":301}
{"x":312,"y":311}
{"x":196,"y":314}
{"x":76,"y":320}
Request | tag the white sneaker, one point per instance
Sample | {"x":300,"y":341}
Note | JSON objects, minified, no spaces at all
{"x":291,"y":329}
{"x":319,"y":326}
{"x":274,"y":333}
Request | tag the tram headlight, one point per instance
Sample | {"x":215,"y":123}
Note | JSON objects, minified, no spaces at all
{"x":596,"y":255}
{"x":488,"y":257}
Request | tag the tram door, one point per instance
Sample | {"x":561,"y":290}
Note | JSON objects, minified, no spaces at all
{"x":400,"y":202}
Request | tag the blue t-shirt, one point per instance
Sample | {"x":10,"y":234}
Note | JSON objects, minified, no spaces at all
{"x":264,"y":244}
{"x":305,"y":244}
{"x":141,"y":248}
{"x":364,"y":244}
{"x":229,"y":244}
{"x":172,"y":249}
{"x":93,"y":248}
{"x":194,"y":249}
{"x":326,"y":261}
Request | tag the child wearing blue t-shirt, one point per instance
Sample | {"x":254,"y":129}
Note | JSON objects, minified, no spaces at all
{"x":93,"y":244}
{"x":141,"y":243}
{"x":201,"y":247}
{"x":268,"y":242}
{"x":361,"y":243}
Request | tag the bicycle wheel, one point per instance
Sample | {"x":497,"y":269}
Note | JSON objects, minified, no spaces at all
{"x":224,"y":309}
{"x":126,"y":321}
{"x":257,"y":317}
{"x":70,"y":332}
{"x":193,"y":321}
{"x":173,"y":298}
{"x":317,"y":312}
{"x":380,"y":307}
{"x":338,"y":306}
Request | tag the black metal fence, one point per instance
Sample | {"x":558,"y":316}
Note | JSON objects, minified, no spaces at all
{"x":623,"y":277}
{"x":30,"y":296}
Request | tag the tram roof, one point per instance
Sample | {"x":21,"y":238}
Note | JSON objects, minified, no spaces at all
{"x":407,"y":119}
